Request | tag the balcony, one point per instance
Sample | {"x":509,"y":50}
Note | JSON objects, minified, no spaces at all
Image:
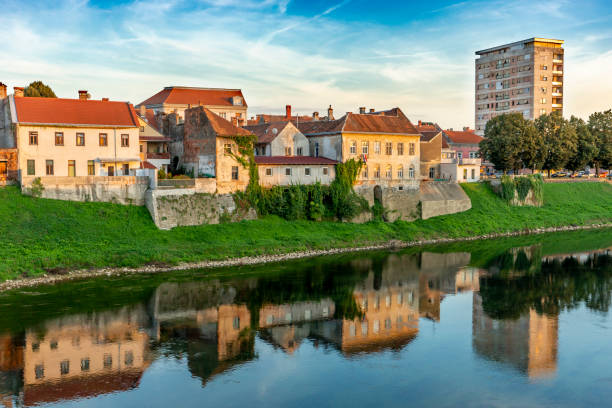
{"x":467,"y":160}
{"x":557,"y":72}
{"x":157,"y":156}
{"x":557,"y":94}
{"x":557,"y":83}
{"x":557,"y":105}
{"x":557,"y":61}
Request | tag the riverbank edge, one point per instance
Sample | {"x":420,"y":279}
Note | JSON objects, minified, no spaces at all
{"x":81,"y":274}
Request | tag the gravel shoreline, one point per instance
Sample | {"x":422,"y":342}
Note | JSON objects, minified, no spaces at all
{"x":263,"y":259}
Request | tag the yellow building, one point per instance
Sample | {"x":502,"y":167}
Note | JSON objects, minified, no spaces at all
{"x":74,"y":137}
{"x":386,"y":141}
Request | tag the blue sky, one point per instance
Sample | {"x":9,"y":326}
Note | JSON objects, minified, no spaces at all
{"x":310,"y":54}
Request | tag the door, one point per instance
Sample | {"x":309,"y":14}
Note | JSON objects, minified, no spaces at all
{"x":3,"y":170}
{"x":71,"y":168}
{"x":111,"y":171}
{"x":126,"y":169}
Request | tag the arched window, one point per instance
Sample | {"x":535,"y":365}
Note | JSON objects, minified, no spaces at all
{"x":377,"y":172}
{"x":411,"y":172}
{"x":400,"y":172}
{"x":388,"y":172}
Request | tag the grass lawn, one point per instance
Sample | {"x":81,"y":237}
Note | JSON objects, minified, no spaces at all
{"x":37,"y":235}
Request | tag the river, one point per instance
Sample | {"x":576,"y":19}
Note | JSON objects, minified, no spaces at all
{"x":515,"y":322}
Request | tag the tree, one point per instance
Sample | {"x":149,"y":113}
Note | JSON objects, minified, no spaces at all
{"x":508,"y":138}
{"x":559,"y":141}
{"x":600,"y":125}
{"x":39,"y":89}
{"x":587,"y":147}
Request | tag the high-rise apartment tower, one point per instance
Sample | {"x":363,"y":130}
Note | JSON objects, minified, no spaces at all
{"x":524,"y":76}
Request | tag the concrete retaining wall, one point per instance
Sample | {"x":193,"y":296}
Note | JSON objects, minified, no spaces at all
{"x":439,"y":198}
{"x":121,"y":189}
{"x":182,"y":207}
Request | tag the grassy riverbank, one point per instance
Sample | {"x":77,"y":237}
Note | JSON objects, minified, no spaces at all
{"x":39,"y":235}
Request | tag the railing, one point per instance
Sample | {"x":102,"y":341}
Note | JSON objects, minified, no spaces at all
{"x":157,"y":155}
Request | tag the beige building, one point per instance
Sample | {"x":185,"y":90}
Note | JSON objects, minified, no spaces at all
{"x":227,"y":103}
{"x":524,"y":76}
{"x":386,"y":141}
{"x":74,"y":137}
{"x":153,"y":145}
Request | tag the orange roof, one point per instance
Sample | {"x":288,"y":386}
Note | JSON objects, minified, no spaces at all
{"x":392,"y":121}
{"x":147,"y":165}
{"x":151,"y":119}
{"x":56,"y":111}
{"x":222,"y":127}
{"x":463,"y":137}
{"x":181,"y":95}
{"x":267,"y":132}
{"x":265,"y":118}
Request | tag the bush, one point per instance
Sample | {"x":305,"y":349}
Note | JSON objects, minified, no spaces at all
{"x":37,"y":187}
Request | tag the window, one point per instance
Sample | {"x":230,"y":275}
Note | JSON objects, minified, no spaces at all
{"x":227,"y":147}
{"x":389,"y":172}
{"x":542,"y":111}
{"x":125,"y":140}
{"x":80,"y":139}
{"x":543,"y":100}
{"x":108,"y":361}
{"x":365,"y":147}
{"x":473,"y":174}
{"x":411,"y":149}
{"x":223,"y":115}
{"x":141,"y":149}
{"x":111,"y":171}
{"x":460,"y":155}
{"x":364,"y":173}
{"x":353,"y":148}
{"x":325,"y":171}
{"x":376,"y":326}
{"x":300,"y":151}
{"x":71,"y":168}
{"x":543,"y":78}
{"x":33,"y":138}
{"x":49,"y":167}
{"x":268,"y":171}
{"x":473,"y":155}
{"x":59,"y":138}
{"x":388,"y":149}
{"x":464,"y":174}
{"x":35,"y":347}
{"x":39,"y":371}
{"x":103,"y":138}
{"x":141,"y":129}
{"x":400,"y":172}
{"x":126,"y":169}
{"x":234,"y":172}
{"x":64,"y":367}
{"x":543,"y":67}
{"x":91,"y":168}
{"x":364,"y":328}
{"x":377,"y":172}
{"x":31,"y":167}
{"x":236,"y":323}
{"x":377,"y":147}
{"x":129,"y":358}
{"x":287,"y":151}
{"x":85,"y":364}
{"x":287,"y":171}
{"x":316,"y":149}
{"x":400,"y":149}
{"x":543,"y":89}
{"x":307,"y":171}
{"x":411,"y":172}
{"x":432,"y":172}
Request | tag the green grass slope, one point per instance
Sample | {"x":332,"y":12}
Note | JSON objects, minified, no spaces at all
{"x":39,"y":235}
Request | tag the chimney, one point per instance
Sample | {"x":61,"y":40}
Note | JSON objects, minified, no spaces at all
{"x":372,"y":110}
{"x":2,"y":91}
{"x":362,"y":110}
{"x":420,"y":123}
{"x":83,"y":95}
{"x":143,"y":110}
{"x":18,"y":91}
{"x":104,"y":99}
{"x":466,"y":128}
{"x":287,"y":111}
{"x":315,"y":115}
{"x":330,"y":113}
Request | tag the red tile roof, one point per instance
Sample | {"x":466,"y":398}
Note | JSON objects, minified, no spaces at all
{"x":445,"y":143}
{"x":222,"y":127}
{"x":428,"y":135}
{"x":266,"y":132}
{"x":392,"y":122}
{"x":293,"y":160}
{"x":151,"y":119}
{"x":280,"y":118}
{"x":54,"y":111}
{"x":463,"y":137}
{"x":147,"y":165}
{"x":194,"y":96}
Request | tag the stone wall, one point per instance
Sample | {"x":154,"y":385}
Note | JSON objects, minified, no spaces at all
{"x":183,"y":207}
{"x":440,"y":198}
{"x":121,"y":190}
{"x":9,"y":173}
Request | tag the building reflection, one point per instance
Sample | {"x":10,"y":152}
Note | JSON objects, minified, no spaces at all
{"x":529,"y":343}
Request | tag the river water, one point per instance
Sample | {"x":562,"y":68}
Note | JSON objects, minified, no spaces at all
{"x":505,"y":323}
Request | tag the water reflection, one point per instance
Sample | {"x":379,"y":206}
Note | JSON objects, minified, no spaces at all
{"x":359,"y":306}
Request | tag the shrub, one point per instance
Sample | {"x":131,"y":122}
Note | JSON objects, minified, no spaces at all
{"x":37,"y":187}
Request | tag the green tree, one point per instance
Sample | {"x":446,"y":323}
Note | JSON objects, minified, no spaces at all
{"x":510,"y":142}
{"x":587,"y":147}
{"x":39,"y":89}
{"x":600,"y":125}
{"x":559,"y":141}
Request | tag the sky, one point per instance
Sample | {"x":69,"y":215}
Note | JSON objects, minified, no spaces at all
{"x":418,"y":55}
